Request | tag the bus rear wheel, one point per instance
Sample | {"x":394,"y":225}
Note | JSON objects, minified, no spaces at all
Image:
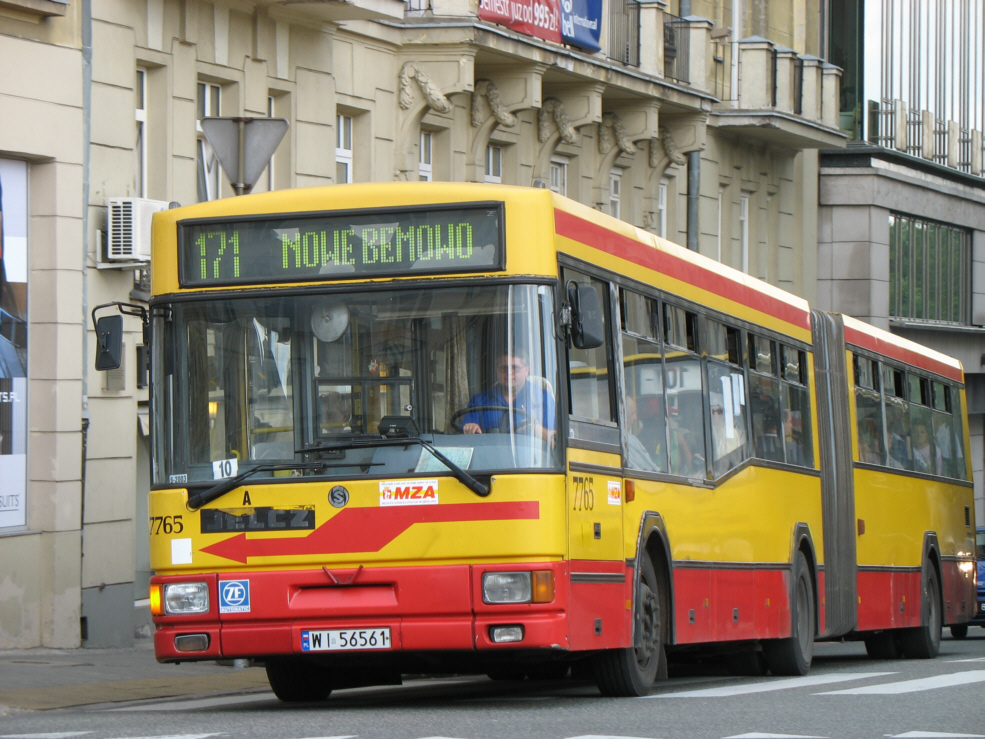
{"x":924,"y":641}
{"x":959,"y":631}
{"x":631,"y":672}
{"x":793,"y":656}
{"x":295,"y":681}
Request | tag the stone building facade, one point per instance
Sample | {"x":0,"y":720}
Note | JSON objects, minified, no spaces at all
{"x":700,"y":121}
{"x":901,"y":236}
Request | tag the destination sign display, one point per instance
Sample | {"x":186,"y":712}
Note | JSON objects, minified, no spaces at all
{"x":300,"y":247}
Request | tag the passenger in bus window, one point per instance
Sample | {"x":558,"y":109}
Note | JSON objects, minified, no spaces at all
{"x":926,"y":457}
{"x":336,"y":412}
{"x":727,"y":436}
{"x":792,"y":445}
{"x":899,"y":451}
{"x":513,"y":403}
{"x":638,"y":458}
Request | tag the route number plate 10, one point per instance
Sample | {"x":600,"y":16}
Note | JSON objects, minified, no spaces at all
{"x":337,"y":640}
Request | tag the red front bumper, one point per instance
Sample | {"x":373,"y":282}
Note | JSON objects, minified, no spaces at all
{"x":426,"y":608}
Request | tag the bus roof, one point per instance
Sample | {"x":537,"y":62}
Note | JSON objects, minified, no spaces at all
{"x":866,"y":336}
{"x":712,"y":282}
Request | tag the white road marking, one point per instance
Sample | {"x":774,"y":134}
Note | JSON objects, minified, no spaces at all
{"x":935,"y":735}
{"x":757,"y":735}
{"x":915,"y":686}
{"x":51,"y":735}
{"x":766,"y":687}
{"x":973,"y":659}
{"x":224,"y":700}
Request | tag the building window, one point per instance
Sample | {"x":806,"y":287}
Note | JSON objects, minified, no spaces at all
{"x":494,"y":164}
{"x":343,"y":149}
{"x":744,"y":231}
{"x":662,"y":209}
{"x":559,"y":175}
{"x":929,"y":268}
{"x":209,"y":104}
{"x":140,"y":147}
{"x":424,"y":157}
{"x":615,"y":192}
{"x":271,"y":108}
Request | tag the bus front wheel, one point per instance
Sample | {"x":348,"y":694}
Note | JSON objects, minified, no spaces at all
{"x":631,"y":672}
{"x":296,"y":681}
{"x":793,"y":656}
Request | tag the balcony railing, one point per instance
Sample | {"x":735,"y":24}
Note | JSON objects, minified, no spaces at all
{"x":624,"y":31}
{"x":676,"y":48}
{"x":925,"y":136}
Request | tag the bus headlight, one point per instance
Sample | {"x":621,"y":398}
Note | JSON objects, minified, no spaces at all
{"x":506,"y":587}
{"x":518,"y":587}
{"x":186,"y":597}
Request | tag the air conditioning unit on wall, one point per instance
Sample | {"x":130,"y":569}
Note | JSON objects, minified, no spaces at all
{"x":128,"y":228}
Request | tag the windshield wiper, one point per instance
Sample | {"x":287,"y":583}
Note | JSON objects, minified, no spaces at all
{"x":368,"y":440}
{"x":197,"y":500}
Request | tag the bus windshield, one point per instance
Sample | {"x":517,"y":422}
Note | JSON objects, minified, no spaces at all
{"x":257,"y":381}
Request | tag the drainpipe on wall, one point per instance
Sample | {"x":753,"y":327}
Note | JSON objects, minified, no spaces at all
{"x":86,"y":129}
{"x":693,"y":173}
{"x":693,"y":193}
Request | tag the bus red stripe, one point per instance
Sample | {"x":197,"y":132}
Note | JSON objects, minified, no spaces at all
{"x":875,"y":344}
{"x":591,"y":234}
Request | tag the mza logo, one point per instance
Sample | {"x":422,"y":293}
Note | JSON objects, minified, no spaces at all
{"x":409,"y":492}
{"x":234,"y":596}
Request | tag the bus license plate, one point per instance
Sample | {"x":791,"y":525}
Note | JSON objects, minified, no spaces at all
{"x":336,"y":640}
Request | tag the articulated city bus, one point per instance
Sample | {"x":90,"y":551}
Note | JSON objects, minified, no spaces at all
{"x":429,"y":428}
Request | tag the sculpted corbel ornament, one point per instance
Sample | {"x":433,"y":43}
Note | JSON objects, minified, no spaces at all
{"x":612,"y":132}
{"x":553,"y":112}
{"x":486,"y":89}
{"x":670,"y":148}
{"x":434,"y":97}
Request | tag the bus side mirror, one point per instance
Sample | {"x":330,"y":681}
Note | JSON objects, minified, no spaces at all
{"x":587,"y":326}
{"x":109,"y":342}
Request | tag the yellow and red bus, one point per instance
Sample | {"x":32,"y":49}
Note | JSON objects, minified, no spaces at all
{"x":428,"y":428}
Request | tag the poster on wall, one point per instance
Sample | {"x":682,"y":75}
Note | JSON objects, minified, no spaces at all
{"x":574,"y":22}
{"x":13,"y":343}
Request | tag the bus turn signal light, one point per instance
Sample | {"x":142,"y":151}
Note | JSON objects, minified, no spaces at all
{"x":156,"y":606}
{"x":543,"y":586}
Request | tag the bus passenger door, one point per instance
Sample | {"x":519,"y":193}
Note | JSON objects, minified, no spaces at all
{"x":594,"y":496}
{"x":594,"y":484}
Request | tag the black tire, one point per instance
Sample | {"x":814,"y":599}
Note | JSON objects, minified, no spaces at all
{"x":632,"y":672}
{"x":884,"y":645}
{"x":924,"y":641}
{"x":792,"y":656}
{"x":750,"y":663}
{"x":959,"y":631}
{"x":295,"y":681}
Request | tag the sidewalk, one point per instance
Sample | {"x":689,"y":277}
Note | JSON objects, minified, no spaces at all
{"x":42,"y":679}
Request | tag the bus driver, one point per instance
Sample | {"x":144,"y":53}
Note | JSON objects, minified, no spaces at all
{"x":531,"y":403}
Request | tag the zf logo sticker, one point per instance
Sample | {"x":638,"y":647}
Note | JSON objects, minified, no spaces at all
{"x":234,"y":596}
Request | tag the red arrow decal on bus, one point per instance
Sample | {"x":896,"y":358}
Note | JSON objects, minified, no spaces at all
{"x":368,"y":529}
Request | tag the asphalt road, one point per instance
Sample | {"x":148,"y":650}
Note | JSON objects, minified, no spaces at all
{"x":846,"y":695}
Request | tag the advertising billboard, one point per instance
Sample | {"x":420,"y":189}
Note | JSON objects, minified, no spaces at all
{"x":13,"y":343}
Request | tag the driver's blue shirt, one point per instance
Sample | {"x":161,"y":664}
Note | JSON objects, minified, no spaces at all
{"x":533,"y":403}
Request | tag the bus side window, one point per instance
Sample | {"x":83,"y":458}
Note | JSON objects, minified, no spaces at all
{"x":764,"y":394}
{"x":589,"y":376}
{"x":868,"y":410}
{"x":684,"y":392}
{"x":646,"y":425}
{"x":798,"y":444}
